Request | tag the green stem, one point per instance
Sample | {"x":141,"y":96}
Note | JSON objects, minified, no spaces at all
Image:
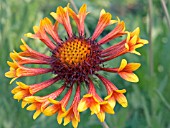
{"x":104,"y":124}
{"x":151,"y":64}
{"x":163,"y":99}
{"x":166,"y":12}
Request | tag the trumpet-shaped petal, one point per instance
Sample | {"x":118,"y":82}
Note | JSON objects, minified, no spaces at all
{"x":131,"y":77}
{"x":126,"y":71}
{"x":17,"y":71}
{"x":40,"y":33}
{"x":40,"y":103}
{"x":89,"y":101}
{"x":21,"y":91}
{"x":34,"y":105}
{"x":50,"y":29}
{"x":118,"y":31}
{"x":104,"y":107}
{"x":104,"y":21}
{"x":25,"y":60}
{"x":37,"y":103}
{"x":133,"y":41}
{"x":113,"y":93}
{"x":57,"y":107}
{"x":62,"y":17}
{"x":117,"y":95}
{"x":28,"y":52}
{"x":72,"y":113}
{"x":79,"y":18}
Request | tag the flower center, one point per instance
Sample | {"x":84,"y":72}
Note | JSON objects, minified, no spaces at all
{"x":74,"y":52}
{"x":75,"y":59}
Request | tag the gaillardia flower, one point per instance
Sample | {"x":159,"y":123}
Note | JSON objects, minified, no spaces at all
{"x":74,"y":60}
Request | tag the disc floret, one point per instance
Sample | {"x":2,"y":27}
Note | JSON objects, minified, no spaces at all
{"x":75,"y":59}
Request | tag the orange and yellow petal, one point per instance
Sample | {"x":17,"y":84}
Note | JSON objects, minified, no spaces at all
{"x":36,"y":114}
{"x":62,"y":16}
{"x":49,"y":28}
{"x":89,"y":101}
{"x":71,"y":115}
{"x":79,"y":18}
{"x":13,"y":69}
{"x":132,"y":67}
{"x":40,"y":33}
{"x":104,"y":21}
{"x":52,"y":109}
{"x":28,"y":52}
{"x":118,"y":31}
{"x":83,"y":12}
{"x":37,"y":103}
{"x":117,"y":95}
{"x":131,"y":77}
{"x":60,"y":116}
{"x":121,"y":99}
{"x":133,"y":41}
{"x":128,"y":67}
{"x":104,"y":108}
{"x":56,"y":107}
{"x":23,"y":104}
{"x":21,"y":91}
{"x":17,"y":71}
{"x":36,"y":107}
{"x":122,"y":65}
{"x":126,"y":71}
{"x":21,"y":60}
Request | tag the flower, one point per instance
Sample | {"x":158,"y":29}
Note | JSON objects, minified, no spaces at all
{"x":75,"y":60}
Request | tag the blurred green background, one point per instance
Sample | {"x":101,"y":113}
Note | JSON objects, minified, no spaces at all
{"x":149,"y":99}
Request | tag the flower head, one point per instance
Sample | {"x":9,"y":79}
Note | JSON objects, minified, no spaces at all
{"x":75,"y":60}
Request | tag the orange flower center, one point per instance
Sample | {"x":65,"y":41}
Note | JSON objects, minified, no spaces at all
{"x":75,"y":59}
{"x":74,"y":52}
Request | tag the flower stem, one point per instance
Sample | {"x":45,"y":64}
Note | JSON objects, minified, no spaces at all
{"x":163,"y":99}
{"x":104,"y":124}
{"x":166,"y":12}
{"x":150,"y":39}
{"x":74,"y":5}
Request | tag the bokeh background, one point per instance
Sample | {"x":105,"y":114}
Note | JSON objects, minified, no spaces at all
{"x":149,"y":99}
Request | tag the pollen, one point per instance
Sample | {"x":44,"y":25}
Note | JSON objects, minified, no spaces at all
{"x":74,"y":52}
